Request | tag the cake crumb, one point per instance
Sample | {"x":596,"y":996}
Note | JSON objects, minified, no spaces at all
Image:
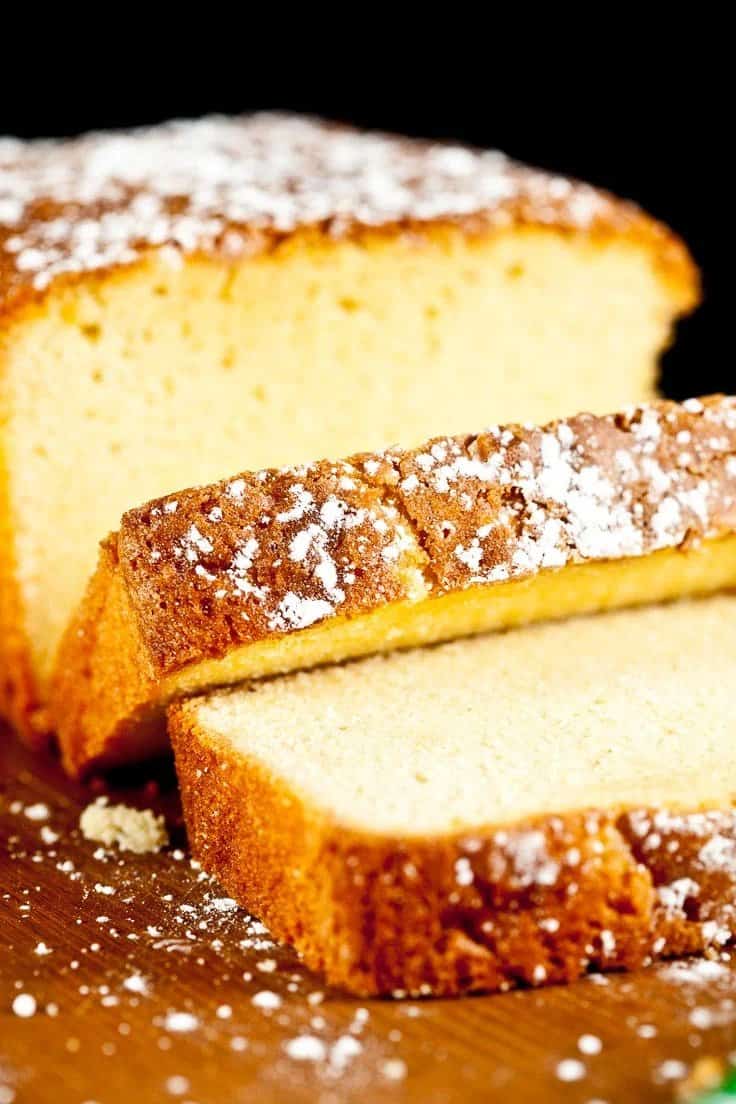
{"x":136,"y":830}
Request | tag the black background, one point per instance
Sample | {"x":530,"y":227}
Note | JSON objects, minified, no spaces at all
{"x":651,"y":123}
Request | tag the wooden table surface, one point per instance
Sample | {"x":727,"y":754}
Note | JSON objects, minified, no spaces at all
{"x":145,"y":984}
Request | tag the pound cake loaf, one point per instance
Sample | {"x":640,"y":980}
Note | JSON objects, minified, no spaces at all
{"x":179,"y":302}
{"x":287,"y":569}
{"x":513,"y":809}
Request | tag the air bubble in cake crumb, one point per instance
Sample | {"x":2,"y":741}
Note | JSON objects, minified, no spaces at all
{"x":24,"y":1006}
{"x":570,"y":1069}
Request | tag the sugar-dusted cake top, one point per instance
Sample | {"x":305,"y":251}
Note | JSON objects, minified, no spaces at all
{"x":271,"y":552}
{"x":234,"y":185}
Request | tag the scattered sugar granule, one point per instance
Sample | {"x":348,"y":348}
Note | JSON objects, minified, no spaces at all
{"x":224,"y":1012}
{"x":177,"y":1085}
{"x":266,"y":999}
{"x":48,"y":835}
{"x":699,"y":972}
{"x":7,"y":1093}
{"x":24,"y":1006}
{"x":671,"y":1070}
{"x":224,"y":904}
{"x":136,"y":830}
{"x":306,"y":1048}
{"x":394,"y":1069}
{"x":238,"y":1043}
{"x":37,"y":812}
{"x":105,"y":890}
{"x":180,"y":1022}
{"x":41,"y":949}
{"x":266,"y":965}
{"x":570,"y":1069}
{"x":590,"y":1044}
{"x":646,"y":1031}
{"x":136,"y":983}
{"x":343,"y":1050}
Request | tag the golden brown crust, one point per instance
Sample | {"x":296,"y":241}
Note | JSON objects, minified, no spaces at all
{"x":535,"y":903}
{"x":234,"y":187}
{"x":193,"y":576}
{"x":268,"y":553}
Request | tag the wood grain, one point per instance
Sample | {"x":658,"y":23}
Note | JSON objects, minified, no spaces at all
{"x":97,"y":1036}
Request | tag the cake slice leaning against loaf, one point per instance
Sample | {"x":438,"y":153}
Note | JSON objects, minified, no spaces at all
{"x":517,"y":808}
{"x":284,"y":570}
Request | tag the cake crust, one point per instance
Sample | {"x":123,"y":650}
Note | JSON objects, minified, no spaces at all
{"x":525,"y":904}
{"x":241,"y":186}
{"x":197,"y":575}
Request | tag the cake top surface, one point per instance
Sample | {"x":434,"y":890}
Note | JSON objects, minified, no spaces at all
{"x":279,"y":550}
{"x":598,"y":712}
{"x":231,"y":185}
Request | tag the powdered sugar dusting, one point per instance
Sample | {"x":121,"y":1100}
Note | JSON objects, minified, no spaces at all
{"x":222,"y":184}
{"x":280,"y":551}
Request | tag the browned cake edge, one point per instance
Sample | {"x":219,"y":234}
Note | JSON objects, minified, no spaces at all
{"x":197,"y":574}
{"x":536,"y":903}
{"x":537,"y":200}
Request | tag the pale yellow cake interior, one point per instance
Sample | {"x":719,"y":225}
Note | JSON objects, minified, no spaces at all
{"x":158,"y":377}
{"x":630,"y":708}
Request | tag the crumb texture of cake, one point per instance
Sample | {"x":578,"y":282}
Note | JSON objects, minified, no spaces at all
{"x":138,"y":830}
{"x":562,"y":801}
{"x":288,"y":569}
{"x":181,"y":301}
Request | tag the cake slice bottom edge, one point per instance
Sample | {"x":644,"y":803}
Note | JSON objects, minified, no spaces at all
{"x":540,"y":902}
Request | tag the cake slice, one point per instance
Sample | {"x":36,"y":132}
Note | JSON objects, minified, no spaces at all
{"x":517,"y":808}
{"x":282,"y":570}
{"x":180,"y":302}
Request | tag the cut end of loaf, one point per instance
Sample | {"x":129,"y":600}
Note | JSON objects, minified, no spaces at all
{"x":526,"y":832}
